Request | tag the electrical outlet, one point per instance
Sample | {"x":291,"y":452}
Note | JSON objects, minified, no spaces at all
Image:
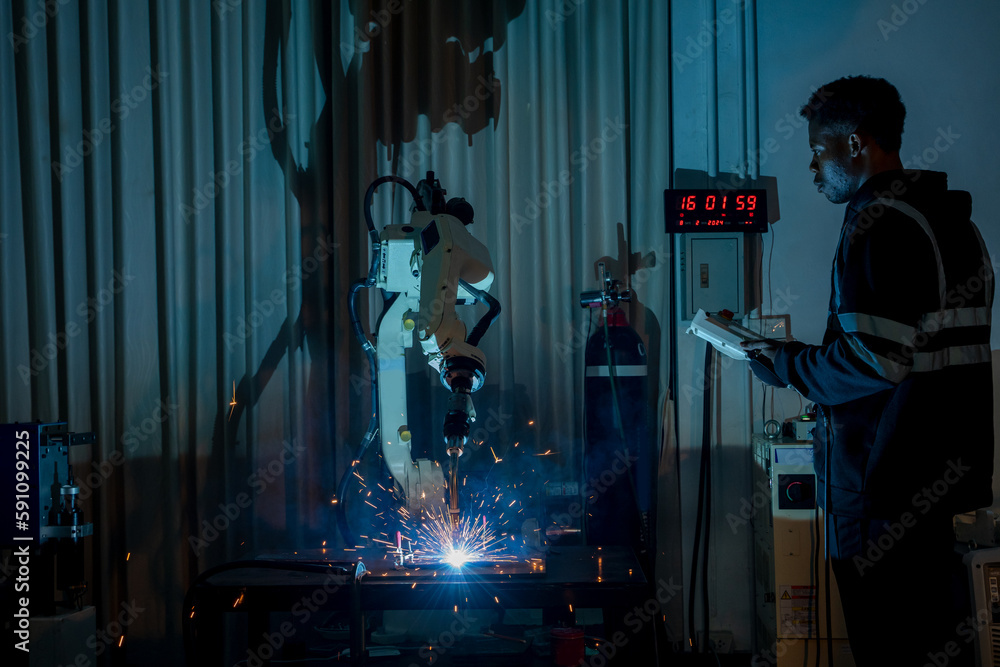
{"x":721,"y":641}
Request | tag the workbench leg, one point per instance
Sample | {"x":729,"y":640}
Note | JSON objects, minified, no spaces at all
{"x":631,"y":645}
{"x":207,"y":633}
{"x":358,"y":650}
{"x":258,"y":625}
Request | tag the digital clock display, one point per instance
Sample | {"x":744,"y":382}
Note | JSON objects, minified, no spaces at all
{"x":715,"y":210}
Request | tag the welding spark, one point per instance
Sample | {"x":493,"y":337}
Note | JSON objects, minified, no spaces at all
{"x":457,"y":557}
{"x":473,"y":540}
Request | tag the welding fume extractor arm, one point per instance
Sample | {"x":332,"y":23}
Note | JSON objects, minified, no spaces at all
{"x":426,"y":268}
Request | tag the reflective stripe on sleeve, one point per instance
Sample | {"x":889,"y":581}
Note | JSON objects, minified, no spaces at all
{"x":893,"y":371}
{"x":873,"y":325}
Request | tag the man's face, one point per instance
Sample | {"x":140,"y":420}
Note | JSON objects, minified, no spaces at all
{"x":832,"y":163}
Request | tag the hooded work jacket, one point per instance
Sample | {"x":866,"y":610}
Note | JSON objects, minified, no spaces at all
{"x":903,"y":379}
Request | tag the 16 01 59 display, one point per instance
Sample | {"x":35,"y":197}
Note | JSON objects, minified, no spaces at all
{"x":691,"y":210}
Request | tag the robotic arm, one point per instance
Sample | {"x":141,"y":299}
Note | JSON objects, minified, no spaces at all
{"x":430,"y":265}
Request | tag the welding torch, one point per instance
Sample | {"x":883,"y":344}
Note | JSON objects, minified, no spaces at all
{"x":456,"y":434}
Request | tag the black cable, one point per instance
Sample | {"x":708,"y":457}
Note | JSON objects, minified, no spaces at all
{"x":707,"y":447}
{"x":372,"y":430}
{"x":371,"y":191}
{"x":827,"y":519}
{"x":612,"y":379}
{"x":487,"y":320}
{"x":770,"y":258}
{"x":584,"y":520}
{"x":816,"y":552}
{"x":673,"y":377}
{"x":763,"y":403}
{"x":695,"y":550}
{"x":706,"y":437}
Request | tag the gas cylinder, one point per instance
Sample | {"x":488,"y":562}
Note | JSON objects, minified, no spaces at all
{"x":617,"y":492}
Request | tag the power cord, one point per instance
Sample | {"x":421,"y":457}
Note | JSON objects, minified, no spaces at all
{"x":704,"y":513}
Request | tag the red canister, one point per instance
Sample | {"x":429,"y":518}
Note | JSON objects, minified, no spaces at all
{"x":567,"y":646}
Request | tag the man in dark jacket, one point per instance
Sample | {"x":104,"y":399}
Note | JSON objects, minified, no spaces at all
{"x":903,"y":381}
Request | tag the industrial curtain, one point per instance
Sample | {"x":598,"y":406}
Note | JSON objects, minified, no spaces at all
{"x":181,"y":220}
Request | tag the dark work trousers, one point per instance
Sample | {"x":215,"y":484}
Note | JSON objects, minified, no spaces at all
{"x":904,"y":591}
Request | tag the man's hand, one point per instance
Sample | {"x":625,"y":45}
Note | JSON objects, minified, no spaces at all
{"x":761,"y":356}
{"x":763,"y":348}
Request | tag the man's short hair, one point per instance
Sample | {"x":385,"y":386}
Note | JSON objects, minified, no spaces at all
{"x":859,"y":104}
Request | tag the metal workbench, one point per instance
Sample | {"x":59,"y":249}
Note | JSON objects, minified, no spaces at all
{"x":562,"y":581}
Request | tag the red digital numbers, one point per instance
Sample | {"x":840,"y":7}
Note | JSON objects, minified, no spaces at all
{"x":713,"y":210}
{"x":691,"y":203}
